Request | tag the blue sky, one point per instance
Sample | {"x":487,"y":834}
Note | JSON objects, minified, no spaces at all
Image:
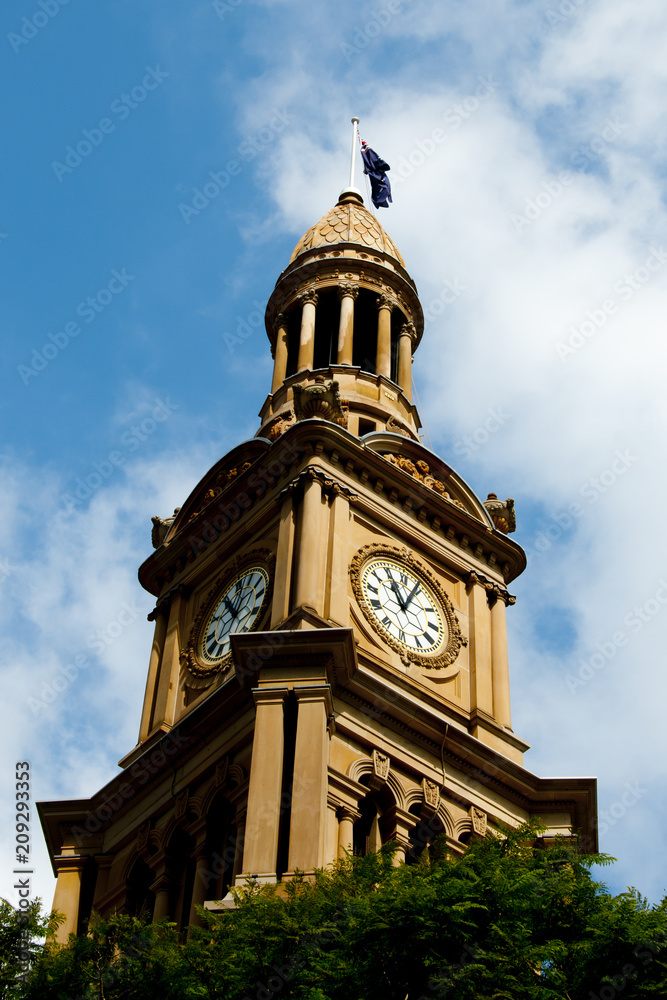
{"x":528,"y":149}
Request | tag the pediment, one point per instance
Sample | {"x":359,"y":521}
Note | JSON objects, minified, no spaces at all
{"x":217,"y":480}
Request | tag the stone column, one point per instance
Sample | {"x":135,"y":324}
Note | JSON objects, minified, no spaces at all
{"x":161,"y":887}
{"x":281,"y":602}
{"x":481,"y":670}
{"x":347,"y":293}
{"x":280,"y":362}
{"x":201,"y":888}
{"x":337,"y":606}
{"x":260,"y":852}
{"x":312,"y":547}
{"x":161,"y":620}
{"x":104,"y":863}
{"x":383,"y":360}
{"x":405,"y":359}
{"x":240,"y":841}
{"x":68,"y":893}
{"x":346,"y":819}
{"x":501,"y":674}
{"x":307,"y":844}
{"x":308,"y":302}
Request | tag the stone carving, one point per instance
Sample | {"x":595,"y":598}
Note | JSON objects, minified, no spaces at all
{"x":143,"y":834}
{"x":479,"y":821}
{"x":321,"y":399}
{"x":454,"y":640}
{"x":502,"y":513}
{"x":279,"y":425}
{"x":161,"y":526}
{"x":181,"y":804}
{"x":420,"y":470}
{"x":384,"y":301}
{"x":221,"y":771}
{"x":493,"y":591}
{"x":347,"y":288}
{"x":431,"y":794}
{"x":408,"y":330}
{"x":380,"y":766}
{"x":347,"y":222}
{"x":221,"y":481}
{"x":396,"y":427}
{"x":310,"y":295}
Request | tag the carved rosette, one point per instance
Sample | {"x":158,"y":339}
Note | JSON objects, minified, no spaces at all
{"x":449,"y":651}
{"x":190,"y":656}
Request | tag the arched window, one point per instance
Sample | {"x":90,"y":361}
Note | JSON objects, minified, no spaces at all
{"x":139,"y":900}
{"x":221,"y":845}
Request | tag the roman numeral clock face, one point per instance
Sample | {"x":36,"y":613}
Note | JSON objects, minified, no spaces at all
{"x":407,"y":605}
{"x":404,"y":605}
{"x":236,"y":610}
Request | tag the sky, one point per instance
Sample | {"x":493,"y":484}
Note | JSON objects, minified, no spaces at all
{"x":161,"y":160}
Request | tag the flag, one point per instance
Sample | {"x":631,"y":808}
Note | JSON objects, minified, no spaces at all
{"x":376,"y":169}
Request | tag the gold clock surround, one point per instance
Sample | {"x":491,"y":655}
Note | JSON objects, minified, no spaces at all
{"x":448,"y":652}
{"x":190,"y":654}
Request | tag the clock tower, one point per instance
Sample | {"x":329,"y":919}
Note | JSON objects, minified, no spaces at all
{"x":329,"y":668}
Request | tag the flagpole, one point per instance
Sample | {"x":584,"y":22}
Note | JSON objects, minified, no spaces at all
{"x":355,"y":123}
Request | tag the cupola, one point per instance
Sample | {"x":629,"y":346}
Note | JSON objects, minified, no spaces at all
{"x":343,"y":321}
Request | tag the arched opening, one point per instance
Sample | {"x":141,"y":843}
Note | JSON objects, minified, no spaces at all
{"x":377,"y":822}
{"x":181,"y":867}
{"x":327,"y":320}
{"x":364,"y":348}
{"x":221,"y":845}
{"x":139,"y":900}
{"x":423,"y":835}
{"x":293,"y":321}
{"x":398,"y":320}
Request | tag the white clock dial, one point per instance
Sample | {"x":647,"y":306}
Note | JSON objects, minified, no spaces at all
{"x":404,"y":605}
{"x":236,"y":610}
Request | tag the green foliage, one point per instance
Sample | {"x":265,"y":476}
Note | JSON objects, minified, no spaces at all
{"x":19,"y":947}
{"x":509,"y":919}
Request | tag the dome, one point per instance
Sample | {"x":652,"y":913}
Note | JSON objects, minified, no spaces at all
{"x":348,"y":222}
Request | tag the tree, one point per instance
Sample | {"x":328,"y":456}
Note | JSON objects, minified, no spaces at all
{"x":19,"y":948}
{"x":514,"y":917}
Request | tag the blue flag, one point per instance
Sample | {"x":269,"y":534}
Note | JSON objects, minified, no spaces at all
{"x":376,"y":169}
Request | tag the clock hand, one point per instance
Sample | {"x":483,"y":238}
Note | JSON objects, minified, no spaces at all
{"x":412,"y":594}
{"x":394,"y":587}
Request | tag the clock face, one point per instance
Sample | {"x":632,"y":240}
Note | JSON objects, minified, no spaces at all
{"x":404,"y":605}
{"x":236,"y":609}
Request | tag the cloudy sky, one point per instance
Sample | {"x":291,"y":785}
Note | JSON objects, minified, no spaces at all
{"x":160,"y":162}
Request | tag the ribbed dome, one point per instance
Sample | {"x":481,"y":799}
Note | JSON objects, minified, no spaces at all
{"x":348,"y":222}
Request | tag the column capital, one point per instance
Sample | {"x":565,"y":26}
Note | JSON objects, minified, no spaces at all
{"x":384,"y":301}
{"x":347,"y":813}
{"x":270,"y":695}
{"x":347,"y":289}
{"x":408,"y":330}
{"x":309,"y":295}
{"x":69,"y":862}
{"x":281,"y":321}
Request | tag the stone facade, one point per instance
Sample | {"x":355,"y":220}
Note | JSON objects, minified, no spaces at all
{"x":329,"y":668}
